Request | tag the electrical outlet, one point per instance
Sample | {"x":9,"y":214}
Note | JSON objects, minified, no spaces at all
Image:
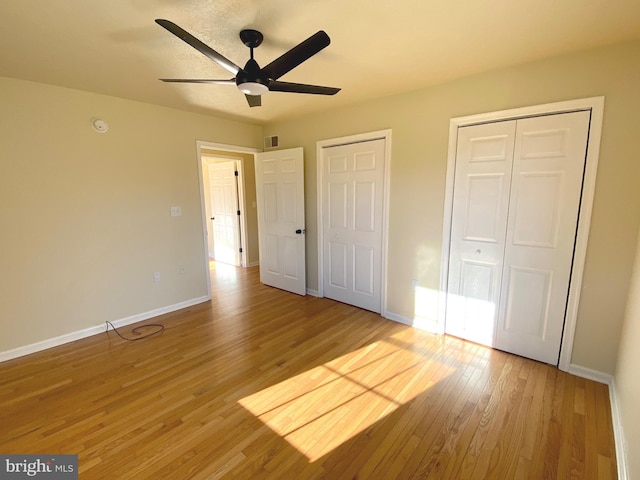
{"x":156,"y":276}
{"x":181,"y":269}
{"x":176,"y":211}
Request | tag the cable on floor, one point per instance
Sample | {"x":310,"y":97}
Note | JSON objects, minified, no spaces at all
{"x":136,"y":331}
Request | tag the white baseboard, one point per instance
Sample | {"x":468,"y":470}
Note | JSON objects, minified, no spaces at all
{"x":618,"y":432}
{"x":420,"y":323}
{"x":616,"y":419}
{"x":397,"y":318}
{"x":590,"y":374}
{"x":87,"y":332}
{"x":313,"y":293}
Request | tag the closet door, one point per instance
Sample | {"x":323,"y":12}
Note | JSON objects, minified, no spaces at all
{"x":546,"y":186}
{"x":353,"y":186}
{"x":479,"y":223}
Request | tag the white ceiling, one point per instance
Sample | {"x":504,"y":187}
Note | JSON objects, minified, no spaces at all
{"x":378,"y":47}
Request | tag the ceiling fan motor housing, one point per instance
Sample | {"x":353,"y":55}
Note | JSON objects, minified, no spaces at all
{"x":251,"y":80}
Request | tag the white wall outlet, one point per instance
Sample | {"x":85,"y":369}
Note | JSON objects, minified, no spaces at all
{"x":156,"y":276}
{"x":176,"y":211}
{"x":181,"y":269}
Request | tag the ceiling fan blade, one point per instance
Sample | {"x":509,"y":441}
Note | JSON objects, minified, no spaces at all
{"x":254,"y":100}
{"x":198,"y":45}
{"x":198,"y":80}
{"x":277,"y":86}
{"x":298,"y":54}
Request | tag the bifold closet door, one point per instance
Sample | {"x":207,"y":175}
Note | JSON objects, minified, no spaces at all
{"x":516,"y":202}
{"x":546,"y":186}
{"x":478,"y":229}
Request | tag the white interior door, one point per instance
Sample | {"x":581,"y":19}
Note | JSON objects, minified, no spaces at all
{"x":548,"y":168}
{"x":353,"y":195}
{"x":479,"y":222}
{"x":513,"y":231}
{"x":281,"y":225}
{"x":224,"y":209}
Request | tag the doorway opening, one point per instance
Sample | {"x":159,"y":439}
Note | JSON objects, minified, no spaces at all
{"x":216,"y":154}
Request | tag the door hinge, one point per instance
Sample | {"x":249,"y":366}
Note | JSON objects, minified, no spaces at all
{"x":238,"y":212}
{"x":235,"y":173}
{"x":240,"y":249}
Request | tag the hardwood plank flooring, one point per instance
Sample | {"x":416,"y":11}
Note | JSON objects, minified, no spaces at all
{"x":263,"y":384}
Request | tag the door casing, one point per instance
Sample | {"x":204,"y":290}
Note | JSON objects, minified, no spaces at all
{"x":596,"y":106}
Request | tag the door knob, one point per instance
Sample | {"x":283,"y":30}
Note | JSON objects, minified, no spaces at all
{"x":299,"y":231}
{"x":213,"y":218}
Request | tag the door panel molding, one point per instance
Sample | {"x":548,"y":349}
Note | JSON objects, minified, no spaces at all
{"x":595,"y":105}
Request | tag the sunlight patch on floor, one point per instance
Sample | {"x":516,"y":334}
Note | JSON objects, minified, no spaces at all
{"x":471,"y":318}
{"x":224,"y":271}
{"x":322,"y":408}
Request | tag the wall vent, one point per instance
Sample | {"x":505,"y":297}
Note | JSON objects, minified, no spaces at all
{"x":271,"y":142}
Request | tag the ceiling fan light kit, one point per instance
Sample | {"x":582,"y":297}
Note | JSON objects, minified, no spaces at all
{"x":252,"y":80}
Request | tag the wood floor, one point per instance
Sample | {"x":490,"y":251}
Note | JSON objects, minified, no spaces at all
{"x":259,"y":383}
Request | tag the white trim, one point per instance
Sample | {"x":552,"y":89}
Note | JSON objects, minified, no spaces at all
{"x":400,"y":319}
{"x":616,"y":418}
{"x":87,"y":332}
{"x":313,"y":293}
{"x":618,"y":432}
{"x":596,"y":106}
{"x":334,"y":142}
{"x":200,"y":145}
{"x":225,"y":147}
{"x":589,"y":374}
{"x":244,"y":240}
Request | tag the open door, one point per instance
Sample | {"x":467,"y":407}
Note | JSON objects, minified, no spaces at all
{"x":225,"y":210}
{"x":281,"y":227}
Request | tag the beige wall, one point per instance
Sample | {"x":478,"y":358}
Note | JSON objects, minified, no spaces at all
{"x":419,"y":123}
{"x":85,"y":216}
{"x":627,"y":380}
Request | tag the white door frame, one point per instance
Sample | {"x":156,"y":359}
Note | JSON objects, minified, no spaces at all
{"x":334,"y":142}
{"x":229,"y":149}
{"x":596,"y":105}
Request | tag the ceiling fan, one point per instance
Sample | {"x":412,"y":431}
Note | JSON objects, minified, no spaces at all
{"x":252,"y":80}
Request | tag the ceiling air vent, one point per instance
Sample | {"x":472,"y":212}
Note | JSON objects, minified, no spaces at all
{"x":271,"y":142}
